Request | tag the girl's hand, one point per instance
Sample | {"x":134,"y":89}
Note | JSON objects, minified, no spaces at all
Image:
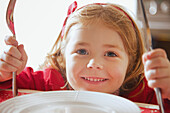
{"x":13,"y":59}
{"x":157,"y":70}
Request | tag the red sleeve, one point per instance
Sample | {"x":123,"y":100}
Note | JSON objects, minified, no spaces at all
{"x":144,"y":94}
{"x":49,"y":79}
{"x":53,"y":80}
{"x":5,"y":85}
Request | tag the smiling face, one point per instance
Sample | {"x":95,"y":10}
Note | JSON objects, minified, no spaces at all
{"x":96,"y":59}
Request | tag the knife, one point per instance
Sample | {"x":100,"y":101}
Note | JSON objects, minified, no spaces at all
{"x":149,"y":47}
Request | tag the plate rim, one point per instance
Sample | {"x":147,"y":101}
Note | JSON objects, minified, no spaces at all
{"x":48,"y":93}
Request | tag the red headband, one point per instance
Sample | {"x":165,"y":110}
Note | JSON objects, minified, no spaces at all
{"x":73,"y":7}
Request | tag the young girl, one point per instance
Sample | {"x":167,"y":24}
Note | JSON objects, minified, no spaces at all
{"x":99,"y":49}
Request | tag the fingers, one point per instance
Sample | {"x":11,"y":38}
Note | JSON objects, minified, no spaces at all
{"x":157,"y":70}
{"x":12,"y":51}
{"x":157,"y":73}
{"x":24,"y":56}
{"x":157,"y":62}
{"x":11,"y":48}
{"x":11,"y":60}
{"x":161,"y":83}
{"x":10,"y":40}
{"x":154,"y":54}
{"x":155,"y":59}
{"x":9,"y":63}
{"x":7,"y":76}
{"x":6,"y":67}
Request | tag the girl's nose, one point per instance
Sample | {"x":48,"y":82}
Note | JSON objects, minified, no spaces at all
{"x":93,"y":64}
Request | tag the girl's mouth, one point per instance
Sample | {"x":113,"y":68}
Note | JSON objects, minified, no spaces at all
{"x":94,"y":79}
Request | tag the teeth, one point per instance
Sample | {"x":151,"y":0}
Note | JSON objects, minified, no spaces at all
{"x":94,"y":79}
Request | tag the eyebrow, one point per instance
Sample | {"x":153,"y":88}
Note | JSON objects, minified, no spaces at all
{"x":82,"y":44}
{"x":113,"y":46}
{"x":105,"y":45}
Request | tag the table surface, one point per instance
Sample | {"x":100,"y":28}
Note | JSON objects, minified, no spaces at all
{"x":7,"y":94}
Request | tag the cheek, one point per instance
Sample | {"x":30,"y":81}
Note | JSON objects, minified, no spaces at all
{"x":70,"y":67}
{"x":118,"y":71}
{"x":73,"y":68}
{"x":70,"y":72}
{"x":73,"y":64}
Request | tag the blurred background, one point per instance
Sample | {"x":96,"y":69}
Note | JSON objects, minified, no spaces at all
{"x":38,"y":23}
{"x":158,"y":13}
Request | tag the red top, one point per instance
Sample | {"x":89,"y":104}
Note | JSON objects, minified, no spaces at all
{"x":51,"y":79}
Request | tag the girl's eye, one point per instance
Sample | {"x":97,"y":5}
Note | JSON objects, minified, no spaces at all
{"x":82,"y":52}
{"x":110,"y":54}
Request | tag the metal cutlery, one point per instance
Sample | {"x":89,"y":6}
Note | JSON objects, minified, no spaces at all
{"x":149,"y":44}
{"x":10,"y":23}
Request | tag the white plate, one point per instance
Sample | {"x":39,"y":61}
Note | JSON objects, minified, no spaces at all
{"x":68,"y":102}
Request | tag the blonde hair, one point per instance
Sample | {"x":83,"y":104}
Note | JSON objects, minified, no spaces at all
{"x":115,"y":18}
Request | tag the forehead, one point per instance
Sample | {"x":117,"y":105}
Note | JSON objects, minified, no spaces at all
{"x":94,"y":34}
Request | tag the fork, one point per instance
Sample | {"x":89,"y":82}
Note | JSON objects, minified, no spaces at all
{"x":10,"y":23}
